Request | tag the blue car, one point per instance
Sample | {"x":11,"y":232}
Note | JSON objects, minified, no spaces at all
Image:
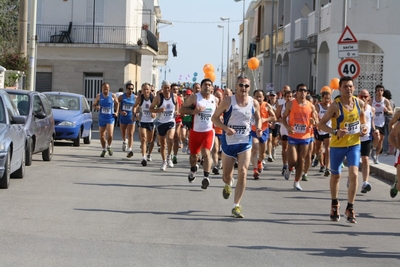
{"x":39,"y":126}
{"x":12,"y":141}
{"x":72,"y":117}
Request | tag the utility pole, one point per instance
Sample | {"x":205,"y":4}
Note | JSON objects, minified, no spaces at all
{"x":32,"y":47}
{"x":23,"y":27}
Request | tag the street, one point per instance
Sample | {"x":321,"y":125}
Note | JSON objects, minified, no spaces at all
{"x":83,"y":210}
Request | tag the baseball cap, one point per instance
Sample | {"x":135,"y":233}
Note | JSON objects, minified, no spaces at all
{"x":272,"y":93}
{"x":165,"y":82}
{"x":189,"y":92}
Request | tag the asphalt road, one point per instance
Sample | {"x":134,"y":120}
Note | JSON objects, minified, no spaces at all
{"x":83,"y":210}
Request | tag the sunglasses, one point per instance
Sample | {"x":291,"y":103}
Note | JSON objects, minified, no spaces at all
{"x":302,"y":90}
{"x":129,"y":88}
{"x":244,"y":85}
{"x":364,"y":96}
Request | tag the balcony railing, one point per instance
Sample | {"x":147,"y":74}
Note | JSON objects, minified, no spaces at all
{"x":287,"y":33}
{"x":312,"y":29}
{"x":300,"y":29}
{"x":325,"y":17}
{"x":86,"y":34}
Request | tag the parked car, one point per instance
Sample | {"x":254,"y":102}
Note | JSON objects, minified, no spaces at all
{"x":12,"y":141}
{"x":39,"y":126}
{"x":72,"y":116}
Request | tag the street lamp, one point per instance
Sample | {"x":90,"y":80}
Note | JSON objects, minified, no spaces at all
{"x":165,"y":71}
{"x":244,"y":7}
{"x":222,"y":52}
{"x":227,"y":53}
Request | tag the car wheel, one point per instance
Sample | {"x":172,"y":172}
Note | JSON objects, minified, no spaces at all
{"x":5,"y":180}
{"x":77,"y":140}
{"x":47,"y":155}
{"x":20,"y":173}
{"x":87,"y":139}
{"x":28,"y":151}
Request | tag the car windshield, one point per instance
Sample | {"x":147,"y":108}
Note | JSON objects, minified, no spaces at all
{"x":64,"y":102}
{"x":21,"y":102}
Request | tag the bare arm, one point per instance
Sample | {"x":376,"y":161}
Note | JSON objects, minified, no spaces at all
{"x":153,"y":107}
{"x":96,"y":101}
{"x":394,"y":136}
{"x":388,"y":107}
{"x":222,"y":107}
{"x":187,"y":106}
{"x":271,"y":114}
{"x":285,"y":116}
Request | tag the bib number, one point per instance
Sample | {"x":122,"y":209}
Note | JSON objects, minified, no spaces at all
{"x":353,"y":127}
{"x":300,"y":128}
{"x":106,"y":110}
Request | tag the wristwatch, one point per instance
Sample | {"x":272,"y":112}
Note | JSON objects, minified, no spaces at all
{"x":334,"y":132}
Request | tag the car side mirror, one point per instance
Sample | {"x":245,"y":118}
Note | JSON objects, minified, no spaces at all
{"x":86,"y":110}
{"x":18,"y":120}
{"x":40,"y":114}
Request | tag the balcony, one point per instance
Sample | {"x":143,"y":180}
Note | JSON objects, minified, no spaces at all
{"x":301,"y":33}
{"x":144,"y":41}
{"x":312,"y":30}
{"x":287,"y":32}
{"x":325,"y":23}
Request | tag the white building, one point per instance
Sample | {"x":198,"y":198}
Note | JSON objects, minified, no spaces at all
{"x":106,"y":42}
{"x":305,"y":42}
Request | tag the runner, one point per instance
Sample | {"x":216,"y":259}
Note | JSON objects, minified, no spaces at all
{"x":298,"y":117}
{"x":283,"y":131}
{"x":165,"y":104}
{"x":346,"y":113}
{"x":146,"y":123}
{"x":202,"y":106}
{"x":258,"y":143}
{"x":108,"y":106}
{"x":236,"y":142}
{"x":127,"y":118}
{"x":178,"y":123}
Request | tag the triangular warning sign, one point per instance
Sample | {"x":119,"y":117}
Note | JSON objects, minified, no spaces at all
{"x":347,"y":37}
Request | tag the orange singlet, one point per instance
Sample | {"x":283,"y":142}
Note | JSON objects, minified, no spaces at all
{"x":299,"y":119}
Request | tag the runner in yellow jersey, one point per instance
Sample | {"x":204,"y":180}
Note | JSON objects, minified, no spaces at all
{"x":348,"y":123}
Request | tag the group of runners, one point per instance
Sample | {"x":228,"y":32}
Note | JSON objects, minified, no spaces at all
{"x":222,"y":130}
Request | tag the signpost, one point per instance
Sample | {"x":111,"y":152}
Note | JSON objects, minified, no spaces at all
{"x":349,"y":67}
{"x":347,"y":44}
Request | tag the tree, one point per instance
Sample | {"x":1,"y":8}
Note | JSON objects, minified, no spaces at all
{"x":8,"y":25}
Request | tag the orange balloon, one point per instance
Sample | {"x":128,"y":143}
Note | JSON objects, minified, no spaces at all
{"x":334,"y":84}
{"x":208,"y":68}
{"x":209,"y":75}
{"x":253,"y":63}
{"x":326,"y":89}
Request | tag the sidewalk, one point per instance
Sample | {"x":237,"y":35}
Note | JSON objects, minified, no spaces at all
{"x":385,"y":169}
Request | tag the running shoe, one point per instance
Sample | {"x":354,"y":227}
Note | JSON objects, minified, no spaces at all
{"x":205,"y":183}
{"x":149,"y":158}
{"x":315,"y":162}
{"x":215,"y":170}
{"x":283,"y":169}
{"x":144,"y":162}
{"x":327,"y":173}
{"x":366,"y":187}
{"x":103,"y":153}
{"x":170,"y":164}
{"x":376,"y":160}
{"x":184,"y":149}
{"x":237,"y":212}
{"x":270,"y":159}
{"x":226,"y":192}
{"x":236,"y":164}
{"x":393,"y":190}
{"x":304,"y":177}
{"x":220,"y":164}
{"x":174,"y":160}
{"x":256,"y":174}
{"x":287,"y":174}
{"x":201,"y":161}
{"x":373,"y":155}
{"x":110,"y":152}
{"x":124,"y":146}
{"x":273,"y":153}
{"x":129,"y":155}
{"x":296,"y":186}
{"x":351,"y":217}
{"x":335,"y":215}
{"x":163,"y":166}
{"x":322,"y":169}
{"x":191,"y":176}
{"x":259,"y":166}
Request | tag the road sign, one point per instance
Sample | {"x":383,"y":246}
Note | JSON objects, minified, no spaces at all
{"x":349,"y":67}
{"x":347,"y":44}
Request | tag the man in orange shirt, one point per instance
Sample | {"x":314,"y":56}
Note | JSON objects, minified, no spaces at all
{"x":299,"y":116}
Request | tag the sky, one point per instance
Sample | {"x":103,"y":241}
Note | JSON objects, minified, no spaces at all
{"x":197,"y":36}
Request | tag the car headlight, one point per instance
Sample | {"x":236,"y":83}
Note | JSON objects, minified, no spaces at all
{"x":67,"y":123}
{"x":2,"y":147}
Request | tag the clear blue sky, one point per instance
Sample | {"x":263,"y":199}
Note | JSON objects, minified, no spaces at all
{"x":197,"y":36}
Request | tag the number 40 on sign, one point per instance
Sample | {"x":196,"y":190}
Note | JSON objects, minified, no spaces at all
{"x":349,"y":67}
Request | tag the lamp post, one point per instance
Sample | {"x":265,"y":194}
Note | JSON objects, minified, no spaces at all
{"x":242,"y":61}
{"x":227,"y":53}
{"x":222,"y":52}
{"x":165,"y":71}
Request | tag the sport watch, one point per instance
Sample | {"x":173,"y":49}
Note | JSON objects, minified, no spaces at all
{"x":334,"y":132}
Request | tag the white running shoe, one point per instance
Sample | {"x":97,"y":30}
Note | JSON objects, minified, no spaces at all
{"x":163,"y":166}
{"x":296,"y":186}
{"x":149,"y":158}
{"x":170,"y":164}
{"x":124,"y":146}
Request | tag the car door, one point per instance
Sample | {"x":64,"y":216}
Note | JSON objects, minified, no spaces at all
{"x":87,"y":116}
{"x":40,"y":125}
{"x":50,"y":130}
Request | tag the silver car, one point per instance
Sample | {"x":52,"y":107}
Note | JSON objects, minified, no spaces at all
{"x":12,"y":141}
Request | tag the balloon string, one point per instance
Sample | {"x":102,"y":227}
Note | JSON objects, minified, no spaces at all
{"x":254,"y":79}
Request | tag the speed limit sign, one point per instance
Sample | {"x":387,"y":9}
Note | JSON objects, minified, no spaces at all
{"x":349,"y":67}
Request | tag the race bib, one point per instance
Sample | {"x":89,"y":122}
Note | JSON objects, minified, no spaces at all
{"x":240,"y":130}
{"x":300,"y":128}
{"x":106,"y":110}
{"x":127,"y":107}
{"x":353,"y":127}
